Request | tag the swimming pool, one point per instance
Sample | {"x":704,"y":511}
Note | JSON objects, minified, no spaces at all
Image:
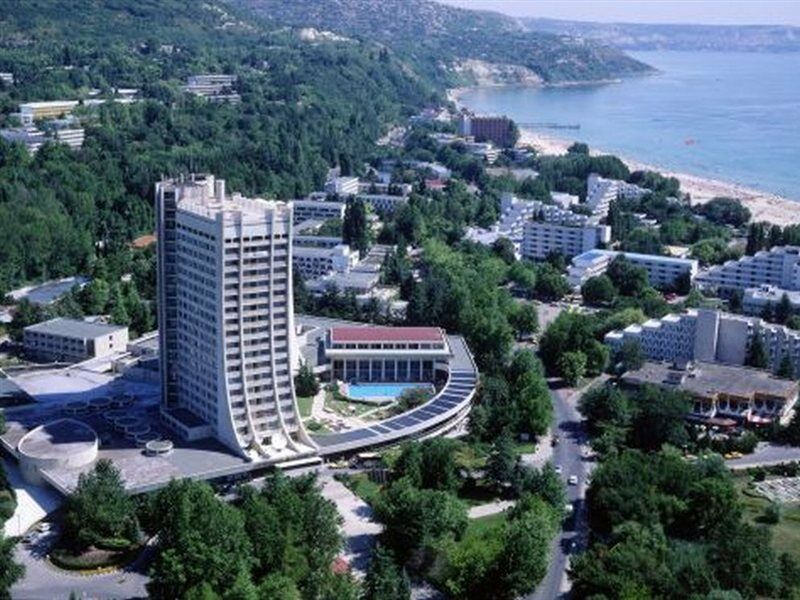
{"x":382,"y":391}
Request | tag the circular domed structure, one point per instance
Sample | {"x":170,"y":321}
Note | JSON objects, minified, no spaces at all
{"x":64,"y":444}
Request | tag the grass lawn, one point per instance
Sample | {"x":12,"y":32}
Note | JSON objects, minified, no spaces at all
{"x":361,"y":485}
{"x":343,"y":407}
{"x":525,"y":447}
{"x":314,"y":426}
{"x":490,"y":524}
{"x":304,"y":404}
{"x":786,"y":534}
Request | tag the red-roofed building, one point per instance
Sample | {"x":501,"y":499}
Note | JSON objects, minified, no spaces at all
{"x":372,"y":353}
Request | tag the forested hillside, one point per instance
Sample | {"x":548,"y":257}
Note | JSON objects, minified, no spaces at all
{"x":436,"y":37}
{"x":305,"y":107}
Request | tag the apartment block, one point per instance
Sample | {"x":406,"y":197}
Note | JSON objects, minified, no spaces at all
{"x":487,"y":128}
{"x":317,"y":210}
{"x":600,"y":192}
{"x":343,"y":186}
{"x":383,"y":203}
{"x":662,"y":271}
{"x":34,"y":111}
{"x":225,"y":318}
{"x":71,"y":340}
{"x":214,"y":87}
{"x":313,"y":262}
{"x":515,"y":213}
{"x":710,"y":336}
{"x":778,"y":267}
{"x":757,"y":300}
{"x":541,"y":238}
{"x":7,"y":78}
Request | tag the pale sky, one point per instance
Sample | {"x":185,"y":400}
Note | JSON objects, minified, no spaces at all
{"x":716,"y":12}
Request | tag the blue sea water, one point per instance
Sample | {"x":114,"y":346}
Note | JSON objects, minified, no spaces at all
{"x":728,"y":116}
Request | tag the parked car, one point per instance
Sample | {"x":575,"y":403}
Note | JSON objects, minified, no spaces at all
{"x":573,"y":480}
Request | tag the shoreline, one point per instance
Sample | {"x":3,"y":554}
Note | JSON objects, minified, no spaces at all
{"x":763,"y":206}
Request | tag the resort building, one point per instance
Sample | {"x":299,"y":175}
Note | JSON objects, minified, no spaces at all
{"x":7,"y":78}
{"x":313,"y":262}
{"x":778,"y":267}
{"x":723,"y":395}
{"x":343,"y":186}
{"x":383,"y":203}
{"x":515,"y":213}
{"x":225,"y":318}
{"x":568,"y":237}
{"x":72,"y":340}
{"x":29,"y":112}
{"x":317,"y":209}
{"x":498,"y":130}
{"x":386,"y":353}
{"x":710,"y":336}
{"x":662,"y":271}
{"x":755,"y":301}
{"x":600,"y":192}
{"x":215,"y":87}
{"x":394,"y":189}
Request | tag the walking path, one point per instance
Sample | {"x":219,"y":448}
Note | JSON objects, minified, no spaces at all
{"x":360,"y":530}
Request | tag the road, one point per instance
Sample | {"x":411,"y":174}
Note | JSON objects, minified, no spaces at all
{"x":765,"y":454}
{"x":568,"y":454}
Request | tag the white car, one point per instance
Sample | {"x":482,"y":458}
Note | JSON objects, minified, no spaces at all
{"x":559,"y":469}
{"x":573,"y":480}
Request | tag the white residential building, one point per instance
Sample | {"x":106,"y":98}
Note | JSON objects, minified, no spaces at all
{"x":7,"y":78}
{"x":756,"y":300}
{"x":226,"y":317}
{"x":384,"y":203}
{"x":214,"y":87}
{"x":710,"y":336}
{"x":313,"y":262}
{"x":542,"y":238}
{"x":778,"y":267}
{"x":34,"y":111}
{"x":397,"y":189}
{"x":600,"y":192}
{"x":71,"y":340}
{"x":343,"y":186}
{"x":515,"y":213}
{"x":662,"y":271}
{"x":317,"y":209}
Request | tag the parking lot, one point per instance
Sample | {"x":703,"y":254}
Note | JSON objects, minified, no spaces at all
{"x":783,"y":490}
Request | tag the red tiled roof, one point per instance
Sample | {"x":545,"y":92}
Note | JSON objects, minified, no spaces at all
{"x":386,"y":334}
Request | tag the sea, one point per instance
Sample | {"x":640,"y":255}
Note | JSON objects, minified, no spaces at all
{"x":734,"y":117}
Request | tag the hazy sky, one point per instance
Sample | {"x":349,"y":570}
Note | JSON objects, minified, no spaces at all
{"x":720,"y":12}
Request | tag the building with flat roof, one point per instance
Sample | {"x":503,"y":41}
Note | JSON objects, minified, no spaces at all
{"x":755,"y":301}
{"x":568,"y":237}
{"x":313,"y":262}
{"x":225,"y":318}
{"x":72,"y":340}
{"x":34,"y":111}
{"x":318,"y":209}
{"x":778,"y":267}
{"x":600,"y":192}
{"x":662,"y":271}
{"x":496,"y":129}
{"x":342,"y":185}
{"x":748,"y":396}
{"x":7,"y":78}
{"x":515,"y":213}
{"x":386,"y":353}
{"x":214,"y":87}
{"x":710,"y":336}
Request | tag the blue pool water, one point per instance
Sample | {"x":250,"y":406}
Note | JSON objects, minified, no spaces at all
{"x":368,"y":391}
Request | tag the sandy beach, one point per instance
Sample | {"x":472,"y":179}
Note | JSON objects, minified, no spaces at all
{"x":763,"y":205}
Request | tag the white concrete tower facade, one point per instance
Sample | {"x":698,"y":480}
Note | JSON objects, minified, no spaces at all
{"x":226,"y":317}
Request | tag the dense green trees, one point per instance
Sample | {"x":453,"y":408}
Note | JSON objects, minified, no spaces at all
{"x":355,"y":226}
{"x":305,"y":382}
{"x":598,"y":290}
{"x":725,"y":211}
{"x":10,"y":570}
{"x":573,"y":334}
{"x":667,"y":528}
{"x":99,"y":509}
{"x":385,"y":580}
{"x":278,"y":542}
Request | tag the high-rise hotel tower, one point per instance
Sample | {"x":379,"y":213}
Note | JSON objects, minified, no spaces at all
{"x":226,"y":318}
